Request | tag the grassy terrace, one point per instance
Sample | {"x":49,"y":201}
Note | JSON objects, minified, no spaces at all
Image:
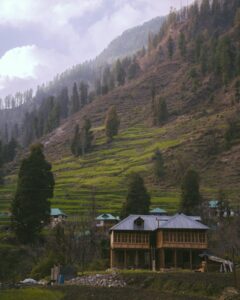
{"x":105,"y":170}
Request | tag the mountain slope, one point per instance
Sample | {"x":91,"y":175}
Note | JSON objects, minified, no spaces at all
{"x":200,"y":105}
{"x":130,"y":41}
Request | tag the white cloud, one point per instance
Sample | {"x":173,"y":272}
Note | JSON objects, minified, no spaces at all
{"x":19,"y":62}
{"x":66,"y":43}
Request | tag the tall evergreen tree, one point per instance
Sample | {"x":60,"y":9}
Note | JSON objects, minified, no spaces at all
{"x":190,"y":194}
{"x":160,"y":111}
{"x":182,"y":44}
{"x":120,"y":73}
{"x":225,"y":59}
{"x":64,"y":103}
{"x":112,"y":123}
{"x":82,"y":139}
{"x":83,"y":89}
{"x":138,"y":199}
{"x":170,"y":46}
{"x":75,"y":102}
{"x":31,"y":206}
{"x":158,"y":164}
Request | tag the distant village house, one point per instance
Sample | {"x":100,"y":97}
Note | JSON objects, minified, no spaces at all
{"x":57,"y":216}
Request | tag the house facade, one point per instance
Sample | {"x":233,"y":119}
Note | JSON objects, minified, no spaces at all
{"x":156,"y":242}
{"x":105,"y":221}
{"x":57,"y":216}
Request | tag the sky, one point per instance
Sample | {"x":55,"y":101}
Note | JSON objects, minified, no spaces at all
{"x":40,"y":38}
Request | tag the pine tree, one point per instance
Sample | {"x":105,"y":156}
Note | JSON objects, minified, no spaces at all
{"x":182,"y":44}
{"x":75,"y":102}
{"x":83,"y":91}
{"x":75,"y":144}
{"x":86,"y":136}
{"x":170,"y":46}
{"x":190,"y":194}
{"x":237,"y":91}
{"x":205,"y":8}
{"x":106,"y":80}
{"x":160,"y":111}
{"x":82,"y":139}
{"x":138,"y":199}
{"x":120,"y":73}
{"x":158,"y":164}
{"x":225,"y":59}
{"x":1,"y":164}
{"x":31,"y":206}
{"x":112,"y":123}
{"x":64,"y":103}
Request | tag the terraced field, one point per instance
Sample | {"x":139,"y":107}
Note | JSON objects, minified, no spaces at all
{"x":103,"y":173}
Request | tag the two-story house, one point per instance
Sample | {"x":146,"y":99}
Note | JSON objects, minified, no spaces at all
{"x":155,"y":242}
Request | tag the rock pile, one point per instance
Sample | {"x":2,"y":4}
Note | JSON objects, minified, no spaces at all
{"x":99,"y":280}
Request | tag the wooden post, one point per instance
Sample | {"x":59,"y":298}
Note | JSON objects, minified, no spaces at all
{"x":136,"y":259}
{"x":112,"y":262}
{"x":191,"y":264}
{"x":162,"y":258}
{"x":175,"y":258}
{"x":125,"y":258}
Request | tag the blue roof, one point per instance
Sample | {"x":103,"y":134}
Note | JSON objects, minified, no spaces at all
{"x":158,"y":211}
{"x":213,"y":203}
{"x":57,"y":212}
{"x":106,"y":217}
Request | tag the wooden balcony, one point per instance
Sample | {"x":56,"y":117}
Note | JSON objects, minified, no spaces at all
{"x":121,"y":245}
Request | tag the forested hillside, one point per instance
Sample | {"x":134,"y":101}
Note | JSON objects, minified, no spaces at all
{"x":180,"y":96}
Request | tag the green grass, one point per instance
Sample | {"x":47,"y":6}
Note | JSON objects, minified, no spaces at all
{"x":31,"y":294}
{"x":105,"y":169}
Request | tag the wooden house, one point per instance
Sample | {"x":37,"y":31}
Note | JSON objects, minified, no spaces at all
{"x":105,"y":221}
{"x":156,"y":242}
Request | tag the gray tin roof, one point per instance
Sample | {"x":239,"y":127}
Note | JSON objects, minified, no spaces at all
{"x":151,"y":223}
{"x":181,"y":221}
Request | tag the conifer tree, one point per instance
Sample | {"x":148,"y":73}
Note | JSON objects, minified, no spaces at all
{"x":75,"y":144}
{"x":182,"y":44}
{"x":190,"y":194}
{"x":112,"y":123}
{"x":138,"y":198}
{"x":158,"y":164}
{"x":75,"y":103}
{"x":64,"y":103}
{"x":160,"y":111}
{"x":237,"y":91}
{"x":205,"y":8}
{"x":82,"y":139}
{"x":120,"y":73}
{"x":31,"y":206}
{"x":225,"y":59}
{"x":83,"y":91}
{"x":170,"y":46}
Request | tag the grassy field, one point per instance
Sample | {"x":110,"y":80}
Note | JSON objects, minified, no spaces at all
{"x":104,"y":171}
{"x":31,"y":294}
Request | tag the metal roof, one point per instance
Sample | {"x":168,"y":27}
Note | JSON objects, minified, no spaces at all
{"x":213,"y":203}
{"x":105,"y":217}
{"x":158,"y":211}
{"x":57,"y":212}
{"x":151,"y":222}
{"x":181,"y":221}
